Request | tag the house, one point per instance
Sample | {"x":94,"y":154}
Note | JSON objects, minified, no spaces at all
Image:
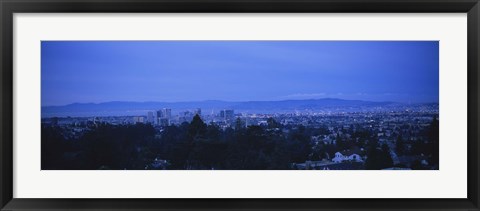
{"x":347,"y":155}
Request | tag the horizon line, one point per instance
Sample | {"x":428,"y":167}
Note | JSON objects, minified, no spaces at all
{"x":194,"y":101}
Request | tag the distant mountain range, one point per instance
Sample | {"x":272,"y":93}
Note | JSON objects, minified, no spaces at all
{"x":141,"y":108}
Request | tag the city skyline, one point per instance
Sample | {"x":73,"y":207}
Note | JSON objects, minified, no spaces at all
{"x":186,"y":71}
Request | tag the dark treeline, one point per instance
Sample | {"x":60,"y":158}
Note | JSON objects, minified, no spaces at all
{"x":196,"y":145}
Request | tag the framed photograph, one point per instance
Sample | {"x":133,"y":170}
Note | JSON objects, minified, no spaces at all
{"x":255,"y":105}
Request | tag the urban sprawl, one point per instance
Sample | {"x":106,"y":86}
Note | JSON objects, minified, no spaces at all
{"x":401,"y":139}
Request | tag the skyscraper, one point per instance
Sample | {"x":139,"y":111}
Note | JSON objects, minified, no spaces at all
{"x":167,"y":113}
{"x":229,"y":115}
{"x":164,"y":116}
{"x":150,"y":118}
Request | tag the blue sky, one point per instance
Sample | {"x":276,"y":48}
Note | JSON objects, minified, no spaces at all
{"x":171,"y":71}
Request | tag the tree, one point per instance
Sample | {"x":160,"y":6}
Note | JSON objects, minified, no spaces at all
{"x":197,"y":127}
{"x":271,"y":123}
{"x":299,"y":145}
{"x":433,"y":138}
{"x":52,"y":148}
{"x":239,"y":124}
{"x":173,"y":145}
{"x":318,"y":151}
{"x":117,"y":147}
{"x":386,"y":158}
{"x":378,"y":158}
{"x":213,"y":132}
{"x":341,"y":143}
{"x":373,"y":159}
{"x":399,"y":145}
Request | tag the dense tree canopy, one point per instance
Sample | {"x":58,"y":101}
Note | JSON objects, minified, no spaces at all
{"x":196,"y":145}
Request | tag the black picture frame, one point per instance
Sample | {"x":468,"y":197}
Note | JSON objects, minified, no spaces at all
{"x":9,"y":7}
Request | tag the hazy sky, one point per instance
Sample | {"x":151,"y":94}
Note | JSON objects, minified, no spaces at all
{"x":102,"y":71}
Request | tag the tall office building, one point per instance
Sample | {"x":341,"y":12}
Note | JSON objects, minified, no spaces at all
{"x":164,"y":116}
{"x":229,"y":115}
{"x":168,"y":113}
{"x":222,"y":114}
{"x":150,"y":118}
